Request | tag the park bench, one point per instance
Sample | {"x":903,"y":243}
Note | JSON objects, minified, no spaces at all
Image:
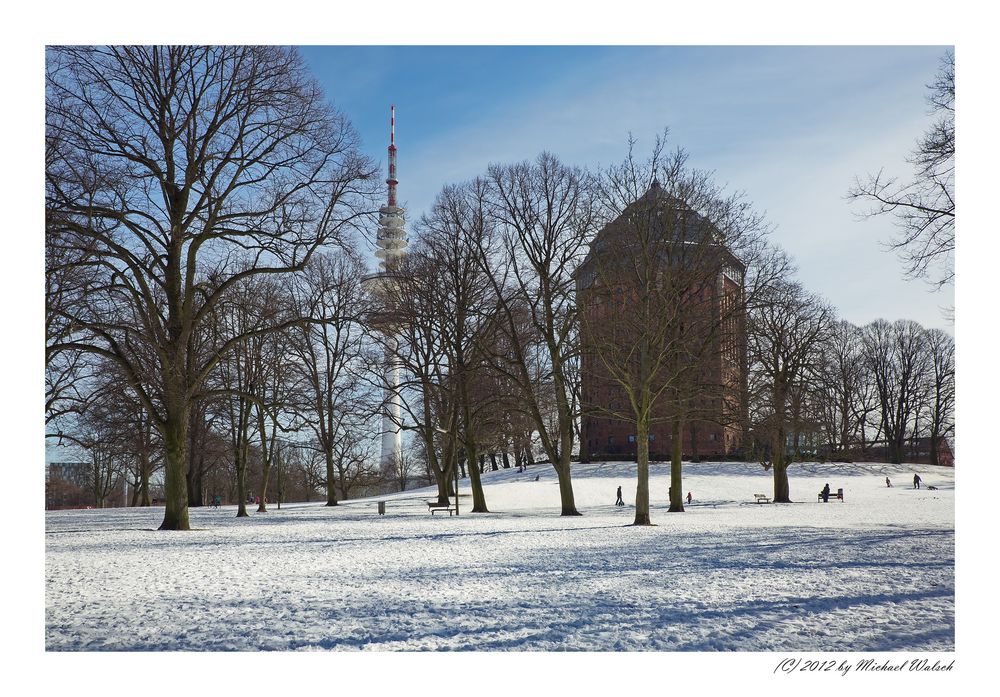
{"x":761,"y":498}
{"x":434,"y":507}
{"x":838,"y":495}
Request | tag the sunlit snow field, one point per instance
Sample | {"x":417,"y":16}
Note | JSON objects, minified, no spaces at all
{"x":874,"y":573}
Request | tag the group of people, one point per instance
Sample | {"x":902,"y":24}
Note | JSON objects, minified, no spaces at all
{"x":825,"y":493}
{"x":621,"y":502}
{"x":917,"y":481}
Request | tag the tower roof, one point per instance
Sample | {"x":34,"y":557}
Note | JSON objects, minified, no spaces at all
{"x":661,"y":220}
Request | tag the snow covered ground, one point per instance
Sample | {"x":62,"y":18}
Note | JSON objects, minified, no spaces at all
{"x":874,"y":573}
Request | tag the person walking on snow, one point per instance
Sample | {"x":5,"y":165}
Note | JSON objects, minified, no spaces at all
{"x":887,"y":482}
{"x":619,"y":502}
{"x":916,"y":481}
{"x":826,"y":492}
{"x":689,"y":498}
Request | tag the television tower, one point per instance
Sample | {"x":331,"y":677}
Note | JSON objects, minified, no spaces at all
{"x":391,"y":243}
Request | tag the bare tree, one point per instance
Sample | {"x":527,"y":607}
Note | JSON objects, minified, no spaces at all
{"x":454,"y":234}
{"x":328,"y":354}
{"x":544,"y":215}
{"x":401,"y":469}
{"x":144,"y":447}
{"x":355,"y":460}
{"x":663,"y":296}
{"x":276,"y":386}
{"x":207,"y":448}
{"x":240,"y":372}
{"x":844,"y":376}
{"x":177,"y":173}
{"x":106,"y":433}
{"x":418,"y":345}
{"x":941,"y":376}
{"x":786,"y":333}
{"x":925,"y":206}
{"x":897,"y":356}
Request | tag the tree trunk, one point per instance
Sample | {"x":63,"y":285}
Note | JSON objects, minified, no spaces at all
{"x":844,"y":426}
{"x":506,"y":460}
{"x":781,"y":491}
{"x":566,"y":498}
{"x":780,"y":469}
{"x":265,"y":475}
{"x":676,"y":452}
{"x":444,"y":488}
{"x":449,"y":477}
{"x":175,"y":436}
{"x":342,"y":479}
{"x":478,"y":495}
{"x":895,"y":450}
{"x":241,"y":480}
{"x":195,"y":456}
{"x":194,"y":476}
{"x":143,"y":498}
{"x":642,"y":472}
{"x":266,"y":457}
{"x":331,"y":493}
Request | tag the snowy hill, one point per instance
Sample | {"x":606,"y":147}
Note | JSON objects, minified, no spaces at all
{"x":728,"y":574}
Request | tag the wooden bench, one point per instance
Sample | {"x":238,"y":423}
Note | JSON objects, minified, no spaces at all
{"x":434,"y":507}
{"x":761,"y":498}
{"x":838,"y":495}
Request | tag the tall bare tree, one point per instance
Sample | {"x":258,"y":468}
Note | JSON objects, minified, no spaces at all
{"x":241,"y":372}
{"x":328,"y":354}
{"x":416,"y":343}
{"x":843,"y":376}
{"x":786,"y":334}
{"x":544,"y":215}
{"x":453,"y":234}
{"x":177,"y":172}
{"x":897,"y":356}
{"x":276,"y":386}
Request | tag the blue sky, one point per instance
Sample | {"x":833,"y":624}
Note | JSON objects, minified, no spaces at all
{"x":789,"y":126}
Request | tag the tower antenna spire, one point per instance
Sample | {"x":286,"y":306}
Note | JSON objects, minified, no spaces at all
{"x":391,"y":181}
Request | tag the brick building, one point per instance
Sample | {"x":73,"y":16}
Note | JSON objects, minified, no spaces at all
{"x":688,"y":253}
